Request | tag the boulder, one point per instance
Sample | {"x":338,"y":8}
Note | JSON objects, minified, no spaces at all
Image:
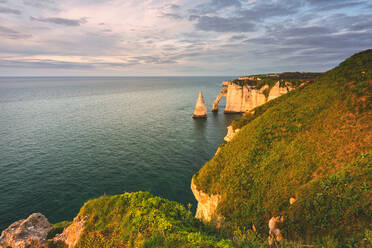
{"x":27,"y":233}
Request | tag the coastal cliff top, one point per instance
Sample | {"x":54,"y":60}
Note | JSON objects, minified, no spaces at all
{"x":293,"y":78}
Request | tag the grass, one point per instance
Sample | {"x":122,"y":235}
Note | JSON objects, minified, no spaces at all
{"x":293,"y":145}
{"x":142,"y":220}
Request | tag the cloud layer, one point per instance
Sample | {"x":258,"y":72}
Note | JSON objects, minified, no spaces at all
{"x":179,"y":37}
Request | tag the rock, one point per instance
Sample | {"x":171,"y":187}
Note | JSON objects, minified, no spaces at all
{"x":200,"y":108}
{"x":71,"y":235}
{"x":225,"y":83}
{"x":274,"y":232}
{"x":230,"y":133}
{"x":218,"y":98}
{"x":277,"y":91}
{"x":27,"y":233}
{"x":240,"y":99}
{"x":207,"y":204}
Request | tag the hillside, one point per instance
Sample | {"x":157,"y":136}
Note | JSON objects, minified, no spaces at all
{"x":137,"y":220}
{"x":312,"y":145}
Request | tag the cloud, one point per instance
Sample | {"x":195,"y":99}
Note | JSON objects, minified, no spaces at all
{"x":367,"y":25}
{"x":245,"y":19}
{"x":193,"y":17}
{"x":204,"y":36}
{"x":172,"y":16}
{"x":39,"y":3}
{"x":214,"y":6}
{"x":304,"y":31}
{"x":172,"y":6}
{"x":60,"y":21}
{"x":238,"y":37}
{"x":43,"y":64}
{"x":268,"y":9}
{"x":9,"y":11}
{"x":170,"y":11}
{"x":338,"y":41}
{"x":221,"y":24}
{"x":12,"y":34}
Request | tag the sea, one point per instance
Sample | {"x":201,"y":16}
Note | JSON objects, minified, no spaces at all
{"x":65,"y":140}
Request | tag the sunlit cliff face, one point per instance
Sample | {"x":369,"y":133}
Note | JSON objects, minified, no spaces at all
{"x":178,"y":37}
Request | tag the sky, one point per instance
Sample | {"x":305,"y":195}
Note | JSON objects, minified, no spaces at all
{"x":179,"y":37}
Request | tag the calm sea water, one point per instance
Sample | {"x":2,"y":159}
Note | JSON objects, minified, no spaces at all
{"x":64,"y":141}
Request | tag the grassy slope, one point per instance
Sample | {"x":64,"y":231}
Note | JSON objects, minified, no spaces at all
{"x":313,"y":144}
{"x":142,"y":220}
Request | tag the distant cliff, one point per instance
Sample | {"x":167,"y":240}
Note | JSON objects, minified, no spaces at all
{"x":246,"y":93}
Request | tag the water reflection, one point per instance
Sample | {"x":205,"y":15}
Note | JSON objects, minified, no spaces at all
{"x":200,"y":125}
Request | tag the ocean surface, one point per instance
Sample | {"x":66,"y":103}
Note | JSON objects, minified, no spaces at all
{"x":64,"y":141}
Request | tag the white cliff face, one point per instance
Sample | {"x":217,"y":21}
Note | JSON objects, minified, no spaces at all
{"x":200,"y":108}
{"x":28,"y":233}
{"x":207,"y":204}
{"x":277,"y":91}
{"x":240,"y":99}
{"x":219,"y":96}
{"x":235,"y":98}
{"x":230,"y":133}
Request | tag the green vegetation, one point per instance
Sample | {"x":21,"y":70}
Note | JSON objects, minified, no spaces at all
{"x":294,"y":78}
{"x":313,"y":144}
{"x":142,"y":220}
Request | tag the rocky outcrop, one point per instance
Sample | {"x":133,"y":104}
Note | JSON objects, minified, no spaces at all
{"x":200,"y":108}
{"x":27,"y":233}
{"x":277,"y":91}
{"x":218,"y":98}
{"x":71,"y":235}
{"x":230,"y":133}
{"x":244,"y":98}
{"x":207,"y":204}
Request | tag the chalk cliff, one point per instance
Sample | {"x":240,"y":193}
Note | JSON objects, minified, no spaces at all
{"x":230,"y":133}
{"x":207,"y":204}
{"x":243,"y":98}
{"x":219,"y":96}
{"x":200,"y":108}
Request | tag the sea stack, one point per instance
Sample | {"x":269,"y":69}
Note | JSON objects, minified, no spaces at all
{"x":200,"y":108}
